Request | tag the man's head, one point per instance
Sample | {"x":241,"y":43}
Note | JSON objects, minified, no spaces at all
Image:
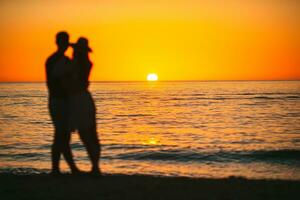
{"x":62,"y":40}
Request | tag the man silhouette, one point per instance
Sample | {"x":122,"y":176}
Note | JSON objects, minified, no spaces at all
{"x":58,"y":106}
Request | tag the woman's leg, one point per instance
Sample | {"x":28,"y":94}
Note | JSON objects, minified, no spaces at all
{"x":90,"y":139}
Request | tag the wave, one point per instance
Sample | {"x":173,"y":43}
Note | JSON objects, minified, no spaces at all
{"x":263,"y":97}
{"x":265,"y":93}
{"x":279,"y":97}
{"x":133,"y":115}
{"x":276,"y":156}
{"x":24,"y":95}
{"x":293,"y":97}
{"x":234,"y":98}
{"x":123,"y":147}
{"x":29,"y":156}
{"x":22,"y":171}
{"x":171,"y":153}
{"x":276,"y":98}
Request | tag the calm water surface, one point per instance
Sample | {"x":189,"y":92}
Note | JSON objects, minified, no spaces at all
{"x":197,"y":129}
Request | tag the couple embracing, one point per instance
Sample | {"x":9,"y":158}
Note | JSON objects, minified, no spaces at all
{"x":70,"y":103}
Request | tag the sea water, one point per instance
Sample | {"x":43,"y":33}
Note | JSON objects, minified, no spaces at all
{"x":195,"y":129}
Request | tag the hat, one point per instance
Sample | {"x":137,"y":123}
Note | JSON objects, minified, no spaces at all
{"x":82,"y":44}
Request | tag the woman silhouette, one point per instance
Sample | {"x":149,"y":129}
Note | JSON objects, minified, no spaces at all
{"x":82,"y":110}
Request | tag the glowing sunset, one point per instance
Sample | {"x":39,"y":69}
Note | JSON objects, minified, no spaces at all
{"x":149,"y":99}
{"x":152,"y":77}
{"x":183,"y":39}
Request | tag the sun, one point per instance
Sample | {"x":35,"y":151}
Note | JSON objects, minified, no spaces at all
{"x":152,"y":77}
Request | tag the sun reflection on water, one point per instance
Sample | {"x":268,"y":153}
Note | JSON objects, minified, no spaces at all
{"x":151,"y":141}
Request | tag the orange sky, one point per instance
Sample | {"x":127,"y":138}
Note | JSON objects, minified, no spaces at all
{"x":177,"y":39}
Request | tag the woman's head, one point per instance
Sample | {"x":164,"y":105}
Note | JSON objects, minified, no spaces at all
{"x":81,"y":47}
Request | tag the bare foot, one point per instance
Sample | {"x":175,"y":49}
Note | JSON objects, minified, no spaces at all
{"x":76,"y":171}
{"x":96,"y":171}
{"x":55,"y":172}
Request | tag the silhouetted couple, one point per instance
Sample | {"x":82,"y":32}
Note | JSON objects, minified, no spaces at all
{"x":70,"y":103}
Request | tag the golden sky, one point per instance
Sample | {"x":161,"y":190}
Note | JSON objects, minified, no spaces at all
{"x":177,"y":39}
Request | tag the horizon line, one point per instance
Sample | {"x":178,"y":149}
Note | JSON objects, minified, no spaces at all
{"x":127,"y":81}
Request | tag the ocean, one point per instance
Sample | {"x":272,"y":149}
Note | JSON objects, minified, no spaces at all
{"x":195,"y":129}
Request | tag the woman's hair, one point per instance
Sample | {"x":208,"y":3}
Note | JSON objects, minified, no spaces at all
{"x":83,"y":63}
{"x":80,"y":55}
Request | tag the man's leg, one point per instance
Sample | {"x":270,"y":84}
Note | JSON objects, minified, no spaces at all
{"x":54,"y":105}
{"x":55,"y":153}
{"x":65,"y":137}
{"x":66,"y":150}
{"x":61,"y":143}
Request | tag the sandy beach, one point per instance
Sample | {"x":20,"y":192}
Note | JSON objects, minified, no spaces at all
{"x":45,"y":187}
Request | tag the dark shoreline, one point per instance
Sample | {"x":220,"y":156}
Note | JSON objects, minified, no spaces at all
{"x":43,"y":186}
